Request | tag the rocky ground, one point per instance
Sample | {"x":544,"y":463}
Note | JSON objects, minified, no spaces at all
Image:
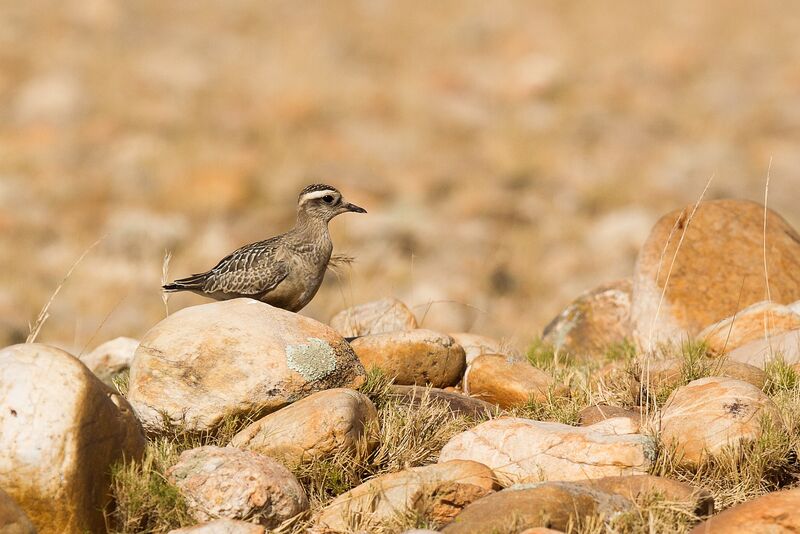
{"x":666,"y":402}
{"x":511,"y":156}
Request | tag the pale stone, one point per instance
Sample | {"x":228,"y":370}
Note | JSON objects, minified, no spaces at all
{"x":700,"y":291}
{"x":506,"y":382}
{"x":61,"y":430}
{"x":522,"y":450}
{"x":376,"y":317}
{"x":413,"y":357}
{"x":785,"y":346}
{"x":595,"y":321}
{"x":554,"y":505}
{"x":475,"y":345}
{"x":437,"y":492}
{"x":321,"y":425}
{"x":760,"y":321}
{"x":237,"y":357}
{"x":221,"y":526}
{"x":223,"y":482}
{"x":773,"y":513}
{"x":12,"y":518}
{"x":111,"y":358}
{"x":706,"y":415}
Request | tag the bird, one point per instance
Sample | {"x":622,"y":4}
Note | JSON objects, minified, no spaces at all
{"x":284,"y":271}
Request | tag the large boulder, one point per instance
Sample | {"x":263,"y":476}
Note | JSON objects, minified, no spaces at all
{"x":422,"y":357}
{"x":437,"y":492}
{"x":555,"y":505}
{"x":238,"y":357}
{"x":757,"y":322}
{"x":698,"y":292}
{"x":12,"y":518}
{"x":773,"y":513}
{"x":595,"y":321}
{"x":507,"y":382}
{"x":522,"y":450}
{"x":111,"y":358}
{"x":376,"y":317}
{"x":709,"y":414}
{"x":228,"y":483}
{"x":61,"y":430}
{"x":321,"y":425}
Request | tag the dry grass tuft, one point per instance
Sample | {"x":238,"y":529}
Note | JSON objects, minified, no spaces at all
{"x":145,"y":501}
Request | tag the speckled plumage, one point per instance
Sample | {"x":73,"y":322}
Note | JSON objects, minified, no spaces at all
{"x":284,"y":271}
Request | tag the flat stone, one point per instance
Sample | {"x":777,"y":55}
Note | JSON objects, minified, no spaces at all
{"x":522,"y":450}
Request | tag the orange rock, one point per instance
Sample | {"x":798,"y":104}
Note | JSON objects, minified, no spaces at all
{"x":595,"y":321}
{"x":507,"y":383}
{"x":707,"y":415}
{"x":773,"y":513}
{"x":725,"y":233}
{"x":421,"y":357}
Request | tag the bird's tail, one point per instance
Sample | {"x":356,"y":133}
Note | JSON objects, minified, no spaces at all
{"x":190,"y":283}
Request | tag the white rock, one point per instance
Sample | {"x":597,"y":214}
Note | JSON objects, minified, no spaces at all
{"x":221,"y":526}
{"x":522,"y":450}
{"x":61,"y":429}
{"x":111,"y":357}
{"x":762,"y":351}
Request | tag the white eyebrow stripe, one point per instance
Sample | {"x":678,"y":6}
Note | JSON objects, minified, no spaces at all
{"x":317,"y":194}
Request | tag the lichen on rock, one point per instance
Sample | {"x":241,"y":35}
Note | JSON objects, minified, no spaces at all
{"x":314,"y":360}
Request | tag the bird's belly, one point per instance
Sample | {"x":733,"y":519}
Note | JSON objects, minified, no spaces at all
{"x":293,"y":293}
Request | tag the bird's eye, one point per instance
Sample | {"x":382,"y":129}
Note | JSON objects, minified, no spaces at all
{"x":327,"y":199}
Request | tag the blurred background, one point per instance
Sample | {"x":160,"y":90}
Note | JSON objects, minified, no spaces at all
{"x":511,"y":154}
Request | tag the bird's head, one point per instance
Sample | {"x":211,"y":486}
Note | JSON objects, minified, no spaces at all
{"x":324,"y":202}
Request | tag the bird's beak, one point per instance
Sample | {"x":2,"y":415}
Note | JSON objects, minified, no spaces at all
{"x":354,"y":208}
